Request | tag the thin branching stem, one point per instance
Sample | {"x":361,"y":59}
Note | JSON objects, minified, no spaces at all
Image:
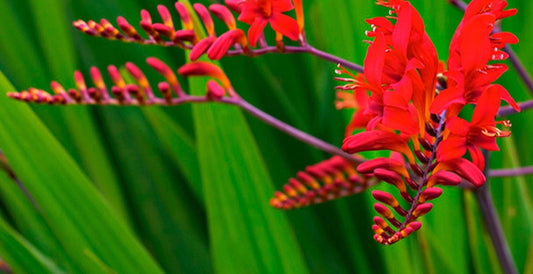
{"x":493,"y":224}
{"x":305,"y":48}
{"x":263,"y":116}
{"x":427,"y":170}
{"x":508,"y":110}
{"x":517,"y":64}
{"x":292,"y":131}
{"x":510,"y":172}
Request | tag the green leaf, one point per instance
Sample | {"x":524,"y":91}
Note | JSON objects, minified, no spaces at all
{"x":237,"y":195}
{"x":21,"y":256}
{"x":75,"y":212}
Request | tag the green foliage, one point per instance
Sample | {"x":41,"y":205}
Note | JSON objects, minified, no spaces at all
{"x":186,"y":189}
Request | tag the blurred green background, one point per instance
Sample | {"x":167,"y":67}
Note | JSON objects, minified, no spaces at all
{"x":186,"y":189}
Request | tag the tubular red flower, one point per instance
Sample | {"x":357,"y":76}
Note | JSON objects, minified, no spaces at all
{"x":258,"y":13}
{"x":480,"y":133}
{"x":205,"y":69}
{"x":377,"y":140}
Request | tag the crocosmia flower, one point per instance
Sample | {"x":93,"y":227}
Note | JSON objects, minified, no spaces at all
{"x":408,"y":114}
{"x":258,"y":13}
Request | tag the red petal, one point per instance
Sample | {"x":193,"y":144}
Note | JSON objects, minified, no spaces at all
{"x":250,"y":12}
{"x":223,"y":43}
{"x":477,"y":157}
{"x":474,"y":42}
{"x":382,"y":162}
{"x":256,"y":30}
{"x":465,"y":169}
{"x":446,"y":98}
{"x":504,"y":95}
{"x":451,"y":148}
{"x":487,"y":106}
{"x":200,"y":48}
{"x":443,"y":177}
{"x":402,"y":30}
{"x":477,"y":79}
{"x":282,"y":5}
{"x":458,"y":126}
{"x":396,"y":114}
{"x":377,"y":140}
{"x":375,"y":60}
{"x":286,"y":25}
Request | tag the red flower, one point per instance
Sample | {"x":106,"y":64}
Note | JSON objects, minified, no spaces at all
{"x":472,"y":47}
{"x":258,"y":13}
{"x":471,"y":136}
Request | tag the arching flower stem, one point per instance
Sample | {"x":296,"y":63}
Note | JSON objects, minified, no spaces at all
{"x":510,"y":172}
{"x":305,"y":48}
{"x":288,"y":129}
{"x":508,"y":110}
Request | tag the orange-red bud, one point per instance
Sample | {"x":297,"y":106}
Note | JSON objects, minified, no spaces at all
{"x":115,"y":76}
{"x":214,"y":90}
{"x":225,"y":41}
{"x":204,"y":15}
{"x":205,"y":69}
{"x":223,"y":14}
{"x":165,"y":16}
{"x":422,"y":209}
{"x":127,"y":28}
{"x":184,"y":15}
{"x":429,"y":194}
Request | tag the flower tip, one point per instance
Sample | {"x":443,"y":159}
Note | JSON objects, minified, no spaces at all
{"x":214,"y":90}
{"x":429,"y":194}
{"x":201,"y":48}
{"x":205,"y":69}
{"x":13,"y":95}
{"x":422,"y":209}
{"x":235,"y":5}
{"x":414,"y":226}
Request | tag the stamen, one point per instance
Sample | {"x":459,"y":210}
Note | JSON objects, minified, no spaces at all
{"x":494,"y":132}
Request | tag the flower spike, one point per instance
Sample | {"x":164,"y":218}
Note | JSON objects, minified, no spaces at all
{"x":397,"y":106}
{"x":255,"y":13}
{"x":140,"y":93}
{"x":330,"y":179}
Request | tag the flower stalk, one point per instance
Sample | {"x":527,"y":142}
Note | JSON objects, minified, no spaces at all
{"x":493,"y":224}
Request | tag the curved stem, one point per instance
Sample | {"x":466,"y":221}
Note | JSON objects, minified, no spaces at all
{"x":492,"y":222}
{"x":292,"y":131}
{"x":509,"y":172}
{"x":508,"y":110}
{"x":517,"y":64}
{"x":305,"y":48}
{"x":333,"y":59}
{"x":427,"y":170}
{"x":459,"y":4}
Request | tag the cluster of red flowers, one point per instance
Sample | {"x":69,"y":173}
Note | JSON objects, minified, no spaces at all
{"x":256,"y":13}
{"x":399,"y":109}
{"x":400,"y":104}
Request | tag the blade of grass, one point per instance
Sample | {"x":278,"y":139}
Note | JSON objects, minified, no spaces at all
{"x":75,"y":212}
{"x":29,"y":222}
{"x":51,"y":21}
{"x":164,"y":207}
{"x":21,"y":256}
